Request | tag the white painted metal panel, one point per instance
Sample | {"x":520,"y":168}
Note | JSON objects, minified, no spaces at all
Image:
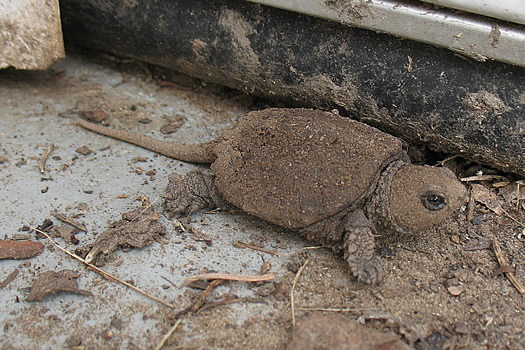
{"x":508,"y":10}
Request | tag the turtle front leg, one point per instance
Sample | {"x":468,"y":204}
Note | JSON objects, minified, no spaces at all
{"x":191,"y":192}
{"x":359,"y":249}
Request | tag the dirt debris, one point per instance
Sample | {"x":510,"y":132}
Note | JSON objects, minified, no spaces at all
{"x":51,"y":282}
{"x":484,"y":102}
{"x":172,"y":124}
{"x":84,"y":150}
{"x":335,"y":331}
{"x":97,"y":115}
{"x":483,"y":195}
{"x":67,"y":233}
{"x":46,"y":226}
{"x":137,"y":229}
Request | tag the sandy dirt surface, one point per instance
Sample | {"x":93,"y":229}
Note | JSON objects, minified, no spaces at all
{"x":443,"y":289}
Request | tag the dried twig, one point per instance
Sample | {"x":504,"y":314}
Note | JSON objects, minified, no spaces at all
{"x":442,"y":162}
{"x":315,"y":247}
{"x":266,"y":266}
{"x":44,"y":158}
{"x":204,"y":295}
{"x":104,"y":274}
{"x":167,"y":280}
{"x":146,"y":204}
{"x":327,"y":309}
{"x":240,"y":244}
{"x":229,"y":277}
{"x":513,"y":218}
{"x":178,"y":225}
{"x":219,"y":303}
{"x":168,"y":335}
{"x":519,"y":184}
{"x":70,"y":221}
{"x":199,"y":305}
{"x":510,"y":275}
{"x":292,"y":298}
{"x":410,"y":64}
{"x":482,"y":178}
{"x":9,"y":278}
{"x":199,"y":236}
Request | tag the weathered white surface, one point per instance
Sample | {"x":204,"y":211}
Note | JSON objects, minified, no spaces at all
{"x":508,"y":10}
{"x":30,"y":34}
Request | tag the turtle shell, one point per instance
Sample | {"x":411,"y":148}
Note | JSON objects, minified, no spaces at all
{"x":294,"y":167}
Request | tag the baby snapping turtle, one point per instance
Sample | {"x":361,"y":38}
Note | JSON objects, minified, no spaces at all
{"x":335,"y":180}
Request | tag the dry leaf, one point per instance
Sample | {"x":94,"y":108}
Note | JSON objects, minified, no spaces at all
{"x":484,"y":196}
{"x":51,"y":282}
{"x":19,"y":249}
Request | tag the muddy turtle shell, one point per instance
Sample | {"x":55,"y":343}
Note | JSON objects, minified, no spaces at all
{"x":294,"y":167}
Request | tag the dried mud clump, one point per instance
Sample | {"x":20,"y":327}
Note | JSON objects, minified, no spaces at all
{"x":484,"y":102}
{"x":137,"y":229}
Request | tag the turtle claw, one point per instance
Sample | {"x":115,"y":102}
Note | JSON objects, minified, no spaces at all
{"x":371,"y":273}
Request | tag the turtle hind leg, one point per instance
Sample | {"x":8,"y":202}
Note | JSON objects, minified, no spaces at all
{"x":359,"y":250}
{"x":192,"y":192}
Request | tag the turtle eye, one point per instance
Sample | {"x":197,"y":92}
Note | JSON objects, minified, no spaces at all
{"x":433,"y":201}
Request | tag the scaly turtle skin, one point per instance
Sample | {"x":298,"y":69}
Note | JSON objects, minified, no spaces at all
{"x":334,"y":180}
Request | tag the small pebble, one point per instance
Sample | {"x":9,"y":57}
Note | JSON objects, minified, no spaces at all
{"x":84,"y":150}
{"x":108,"y":334}
{"x":456,"y":290}
{"x":462,"y":329}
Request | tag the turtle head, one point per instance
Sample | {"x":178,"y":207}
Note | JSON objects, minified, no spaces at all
{"x":421,"y":196}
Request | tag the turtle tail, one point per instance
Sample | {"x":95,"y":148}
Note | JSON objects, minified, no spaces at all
{"x":193,"y":153}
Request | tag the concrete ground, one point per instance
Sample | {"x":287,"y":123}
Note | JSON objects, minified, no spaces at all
{"x":443,"y":288}
{"x":37,"y":110}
